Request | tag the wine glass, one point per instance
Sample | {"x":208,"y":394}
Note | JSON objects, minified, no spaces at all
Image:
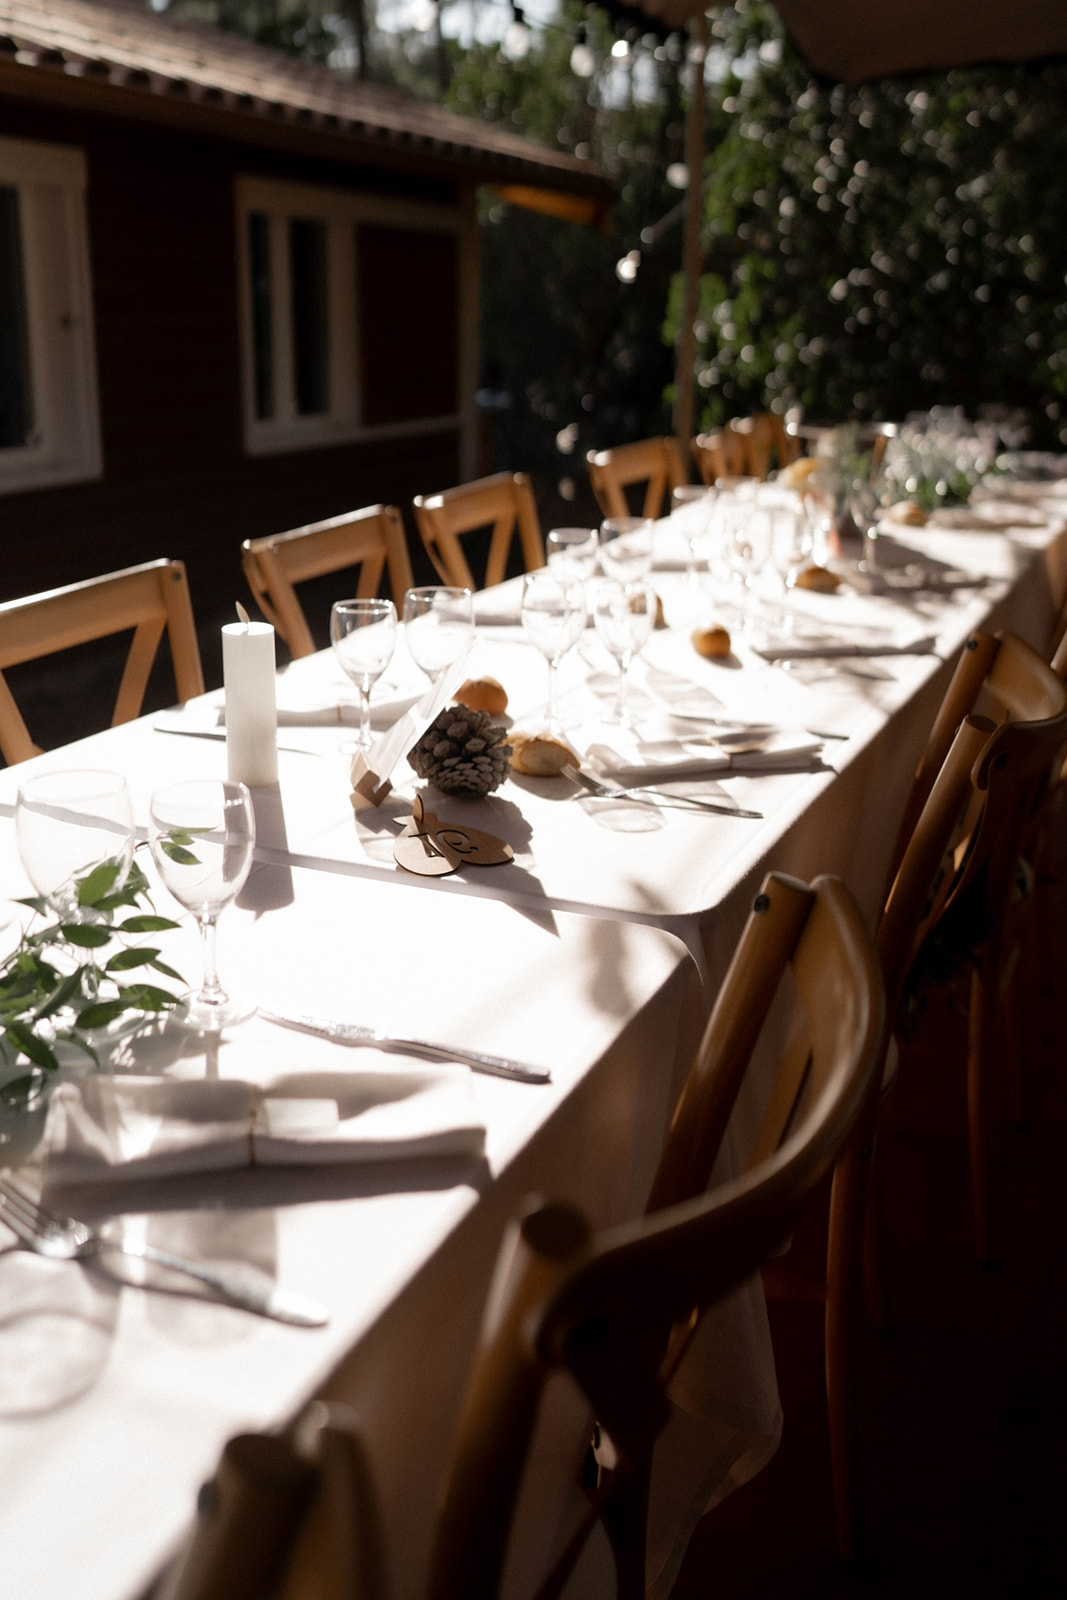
{"x":69,"y":824}
{"x":438,"y":627}
{"x":202,"y":833}
{"x":790,"y":548}
{"x":749,"y":547}
{"x":626,"y":548}
{"x":625,"y":614}
{"x":572,"y":552}
{"x":363,"y":635}
{"x":553,"y":616}
{"x":692,"y":506}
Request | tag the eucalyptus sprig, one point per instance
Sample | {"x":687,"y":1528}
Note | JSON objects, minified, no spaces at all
{"x":65,"y":979}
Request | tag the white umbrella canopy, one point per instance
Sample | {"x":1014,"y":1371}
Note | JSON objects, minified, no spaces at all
{"x":856,"y":40}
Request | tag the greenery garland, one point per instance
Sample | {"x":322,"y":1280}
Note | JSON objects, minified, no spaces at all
{"x":65,"y":980}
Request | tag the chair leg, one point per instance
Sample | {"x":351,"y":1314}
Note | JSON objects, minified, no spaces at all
{"x":980,"y":1051}
{"x":843,"y":1274}
{"x":875,"y":1254}
{"x":625,"y":1519}
{"x":1015,"y":999}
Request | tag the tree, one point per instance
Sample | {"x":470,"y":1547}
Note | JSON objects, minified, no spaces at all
{"x":579,"y":349}
{"x":875,"y":250}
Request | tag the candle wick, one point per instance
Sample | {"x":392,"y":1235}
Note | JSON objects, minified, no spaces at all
{"x":243,"y":615}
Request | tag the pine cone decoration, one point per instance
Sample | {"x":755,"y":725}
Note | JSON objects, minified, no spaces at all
{"x":461,"y":752}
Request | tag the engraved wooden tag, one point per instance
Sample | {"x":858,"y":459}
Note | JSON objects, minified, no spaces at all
{"x":434,"y":848}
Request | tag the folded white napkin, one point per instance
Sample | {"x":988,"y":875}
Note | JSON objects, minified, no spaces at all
{"x":118,"y":1129}
{"x":311,"y":705}
{"x":656,"y":761}
{"x":830,"y":650}
{"x":499,"y":613}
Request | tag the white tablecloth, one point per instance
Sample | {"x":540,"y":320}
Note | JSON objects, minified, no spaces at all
{"x":106,"y":1434}
{"x":497,"y":959}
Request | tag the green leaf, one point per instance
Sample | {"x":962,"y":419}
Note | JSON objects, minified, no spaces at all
{"x":168,"y":972}
{"x":146,"y":924}
{"x":178,"y":853}
{"x":63,"y":994}
{"x":101,"y":1013}
{"x":36,"y":902}
{"x":123,"y":960}
{"x":99,"y":882}
{"x":147,"y":997}
{"x":16,"y":1089}
{"x":90,"y":936}
{"x":30,"y":1045}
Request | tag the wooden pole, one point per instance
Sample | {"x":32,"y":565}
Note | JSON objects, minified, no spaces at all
{"x":691,"y":252}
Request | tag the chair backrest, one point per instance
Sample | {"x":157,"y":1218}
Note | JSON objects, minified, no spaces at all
{"x":149,"y":599}
{"x":654,"y":463}
{"x":504,"y":503}
{"x":606,"y":1307}
{"x":372,"y":539}
{"x":997,"y":675}
{"x":719,"y":454}
{"x":287,"y":1516}
{"x":746,"y":447}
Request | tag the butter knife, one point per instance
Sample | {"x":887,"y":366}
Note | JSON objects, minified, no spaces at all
{"x":653,"y":797}
{"x":355,"y":1033}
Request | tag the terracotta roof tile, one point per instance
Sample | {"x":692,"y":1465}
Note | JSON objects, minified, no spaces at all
{"x":133,"y":48}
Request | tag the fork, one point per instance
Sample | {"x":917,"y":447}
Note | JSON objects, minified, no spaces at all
{"x":64,"y":1238}
{"x":653,"y":797}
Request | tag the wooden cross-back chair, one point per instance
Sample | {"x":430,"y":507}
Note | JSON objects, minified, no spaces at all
{"x":615,"y":1309}
{"x":503,"y":502}
{"x":719,"y":454}
{"x":149,"y":599}
{"x":655,"y":464}
{"x":975,"y":910}
{"x":745,"y":447}
{"x":372,"y":539}
{"x":998,"y":675}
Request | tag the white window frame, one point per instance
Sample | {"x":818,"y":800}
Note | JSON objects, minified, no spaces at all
{"x":340,"y":211}
{"x":51,"y":181}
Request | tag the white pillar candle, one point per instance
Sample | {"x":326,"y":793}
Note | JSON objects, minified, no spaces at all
{"x":251,"y":707}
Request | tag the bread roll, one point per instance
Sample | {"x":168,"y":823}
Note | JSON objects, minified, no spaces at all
{"x":541,"y":755}
{"x":907,"y":512}
{"x":821,"y":579}
{"x":483,"y":694}
{"x":711,"y":642}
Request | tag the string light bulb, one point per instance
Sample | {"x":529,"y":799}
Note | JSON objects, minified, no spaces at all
{"x":583,"y":61}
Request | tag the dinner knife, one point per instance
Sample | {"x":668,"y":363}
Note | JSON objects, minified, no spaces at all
{"x":355,"y":1033}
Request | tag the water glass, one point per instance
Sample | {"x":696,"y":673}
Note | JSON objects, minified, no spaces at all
{"x":572,"y":552}
{"x":438,"y":627}
{"x":67,"y":824}
{"x":553,"y":617}
{"x":363,"y":635}
{"x":626,"y":548}
{"x":750,"y":529}
{"x":202,"y":834}
{"x":692,"y":509}
{"x":625,"y":615}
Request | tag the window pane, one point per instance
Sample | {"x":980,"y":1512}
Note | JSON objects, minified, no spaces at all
{"x":262,"y":331}
{"x":408,"y":322}
{"x":307,"y":273}
{"x":16,"y":403}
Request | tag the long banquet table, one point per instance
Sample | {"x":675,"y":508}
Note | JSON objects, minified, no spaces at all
{"x":581,"y":955}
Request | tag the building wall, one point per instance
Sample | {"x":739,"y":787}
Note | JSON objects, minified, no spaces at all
{"x":177,"y":479}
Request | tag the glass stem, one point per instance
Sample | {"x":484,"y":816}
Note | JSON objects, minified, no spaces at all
{"x":550,"y":704}
{"x":364,"y":716}
{"x":211,"y":990}
{"x":620,"y":693}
